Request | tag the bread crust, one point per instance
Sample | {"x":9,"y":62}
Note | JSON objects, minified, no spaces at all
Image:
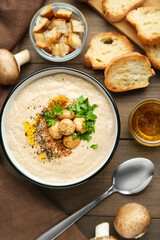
{"x":142,"y":38}
{"x":89,"y":61}
{"x":109,"y":16}
{"x":123,"y":58}
{"x":154,"y":61}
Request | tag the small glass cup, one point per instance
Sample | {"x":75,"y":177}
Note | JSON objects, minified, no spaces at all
{"x":76,"y":15}
{"x":144,"y":122}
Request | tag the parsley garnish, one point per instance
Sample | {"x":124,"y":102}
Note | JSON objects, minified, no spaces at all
{"x":52,"y":115}
{"x":82,"y":109}
{"x":93,"y":146}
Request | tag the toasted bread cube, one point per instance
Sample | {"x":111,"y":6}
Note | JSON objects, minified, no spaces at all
{"x":68,"y":28}
{"x":61,"y":24}
{"x":64,"y":13}
{"x":63,"y":49}
{"x":74,"y":40}
{"x":53,"y":36}
{"x":41,"y":41}
{"x":55,"y":50}
{"x":41,"y":25}
{"x":63,"y":39}
{"x":47,"y":12}
{"x":60,"y":50}
{"x":51,"y":24}
{"x":77,"y":26}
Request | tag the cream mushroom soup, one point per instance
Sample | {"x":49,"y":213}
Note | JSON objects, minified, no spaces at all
{"x":83,"y":161}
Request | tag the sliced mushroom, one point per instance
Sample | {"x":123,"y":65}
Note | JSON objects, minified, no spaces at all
{"x":10,"y":65}
{"x":102,"y":232}
{"x":132,"y":220}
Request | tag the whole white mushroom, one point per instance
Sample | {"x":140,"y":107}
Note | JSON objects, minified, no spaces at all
{"x":10,"y":65}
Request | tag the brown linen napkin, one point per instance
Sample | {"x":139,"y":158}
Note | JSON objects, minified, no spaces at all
{"x":15,"y":17}
{"x":24,"y":212}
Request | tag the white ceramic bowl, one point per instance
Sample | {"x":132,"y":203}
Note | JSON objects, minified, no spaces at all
{"x":77,"y":15}
{"x":30,"y":79}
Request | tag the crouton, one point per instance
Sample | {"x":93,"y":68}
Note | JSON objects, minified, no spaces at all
{"x":63,"y":39}
{"x":74,"y":40}
{"x":41,"y":41}
{"x":47,"y":12}
{"x":61,"y":24}
{"x":68,"y":28}
{"x":41,"y":25}
{"x":53,"y":35}
{"x":60,"y":50}
{"x":77,"y":26}
{"x":64,"y":13}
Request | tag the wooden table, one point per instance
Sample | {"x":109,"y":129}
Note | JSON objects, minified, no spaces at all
{"x":70,"y":200}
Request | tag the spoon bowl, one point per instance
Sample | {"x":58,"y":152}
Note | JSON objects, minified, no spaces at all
{"x":133,"y":176}
{"x":129,"y":178}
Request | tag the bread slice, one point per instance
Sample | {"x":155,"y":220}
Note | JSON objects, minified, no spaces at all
{"x":153,"y":53}
{"x":64,"y":13}
{"x":127,"y":72}
{"x":77,"y":26}
{"x":104,"y":47}
{"x":115,"y":11}
{"x":74,"y":40}
{"x":47,"y":12}
{"x":41,"y":24}
{"x":146,"y":20}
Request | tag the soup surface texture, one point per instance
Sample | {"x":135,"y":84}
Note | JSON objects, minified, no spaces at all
{"x":83,"y":161}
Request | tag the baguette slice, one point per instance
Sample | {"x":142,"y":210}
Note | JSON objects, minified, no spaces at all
{"x":104,"y":47}
{"x":153,"y":53}
{"x":127,"y":72}
{"x":146,"y":20}
{"x":115,"y":11}
{"x":47,"y":12}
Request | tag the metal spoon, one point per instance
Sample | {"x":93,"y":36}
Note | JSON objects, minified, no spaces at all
{"x":130,"y":177}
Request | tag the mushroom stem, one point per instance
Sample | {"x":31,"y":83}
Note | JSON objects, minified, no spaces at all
{"x":102,"y":230}
{"x":22,"y":58}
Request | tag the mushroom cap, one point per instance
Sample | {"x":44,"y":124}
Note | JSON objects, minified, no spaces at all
{"x":131,"y":220}
{"x":9,"y":72}
{"x":104,"y":238}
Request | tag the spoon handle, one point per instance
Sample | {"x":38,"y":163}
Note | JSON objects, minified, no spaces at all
{"x":59,"y":228}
